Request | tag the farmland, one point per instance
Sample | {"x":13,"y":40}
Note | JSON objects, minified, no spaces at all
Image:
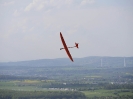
{"x":86,"y":81}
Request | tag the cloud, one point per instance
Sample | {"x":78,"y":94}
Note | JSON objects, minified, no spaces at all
{"x":38,"y":4}
{"x":8,"y":3}
{"x":84,"y":2}
{"x":31,"y":5}
{"x":69,"y":2}
{"x":16,"y":13}
{"x":56,"y":4}
{"x":31,"y":29}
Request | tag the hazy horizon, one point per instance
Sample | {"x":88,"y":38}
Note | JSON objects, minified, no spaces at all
{"x":30,"y":30}
{"x":67,"y":58}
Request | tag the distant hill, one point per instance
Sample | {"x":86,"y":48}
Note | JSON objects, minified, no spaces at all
{"x":90,"y":61}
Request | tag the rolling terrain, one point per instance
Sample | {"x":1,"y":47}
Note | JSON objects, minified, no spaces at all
{"x":87,"y":78}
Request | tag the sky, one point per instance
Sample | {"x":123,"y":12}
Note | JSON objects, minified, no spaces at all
{"x":30,"y":29}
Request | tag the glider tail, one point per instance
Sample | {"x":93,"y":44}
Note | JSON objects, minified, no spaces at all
{"x":76,"y":45}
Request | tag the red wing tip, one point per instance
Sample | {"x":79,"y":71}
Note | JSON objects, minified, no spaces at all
{"x":60,"y":34}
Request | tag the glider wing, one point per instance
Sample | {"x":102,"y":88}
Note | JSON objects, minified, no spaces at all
{"x":65,"y":47}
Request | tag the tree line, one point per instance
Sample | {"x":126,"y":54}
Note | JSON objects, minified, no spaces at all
{"x":11,"y":94}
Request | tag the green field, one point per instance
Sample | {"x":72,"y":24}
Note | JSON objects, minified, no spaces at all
{"x":25,"y":85}
{"x":107,"y":93}
{"x":34,"y":85}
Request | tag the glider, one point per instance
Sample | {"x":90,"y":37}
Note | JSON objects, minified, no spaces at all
{"x":66,"y":48}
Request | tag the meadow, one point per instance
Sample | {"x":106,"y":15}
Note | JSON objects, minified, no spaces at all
{"x":36,"y":85}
